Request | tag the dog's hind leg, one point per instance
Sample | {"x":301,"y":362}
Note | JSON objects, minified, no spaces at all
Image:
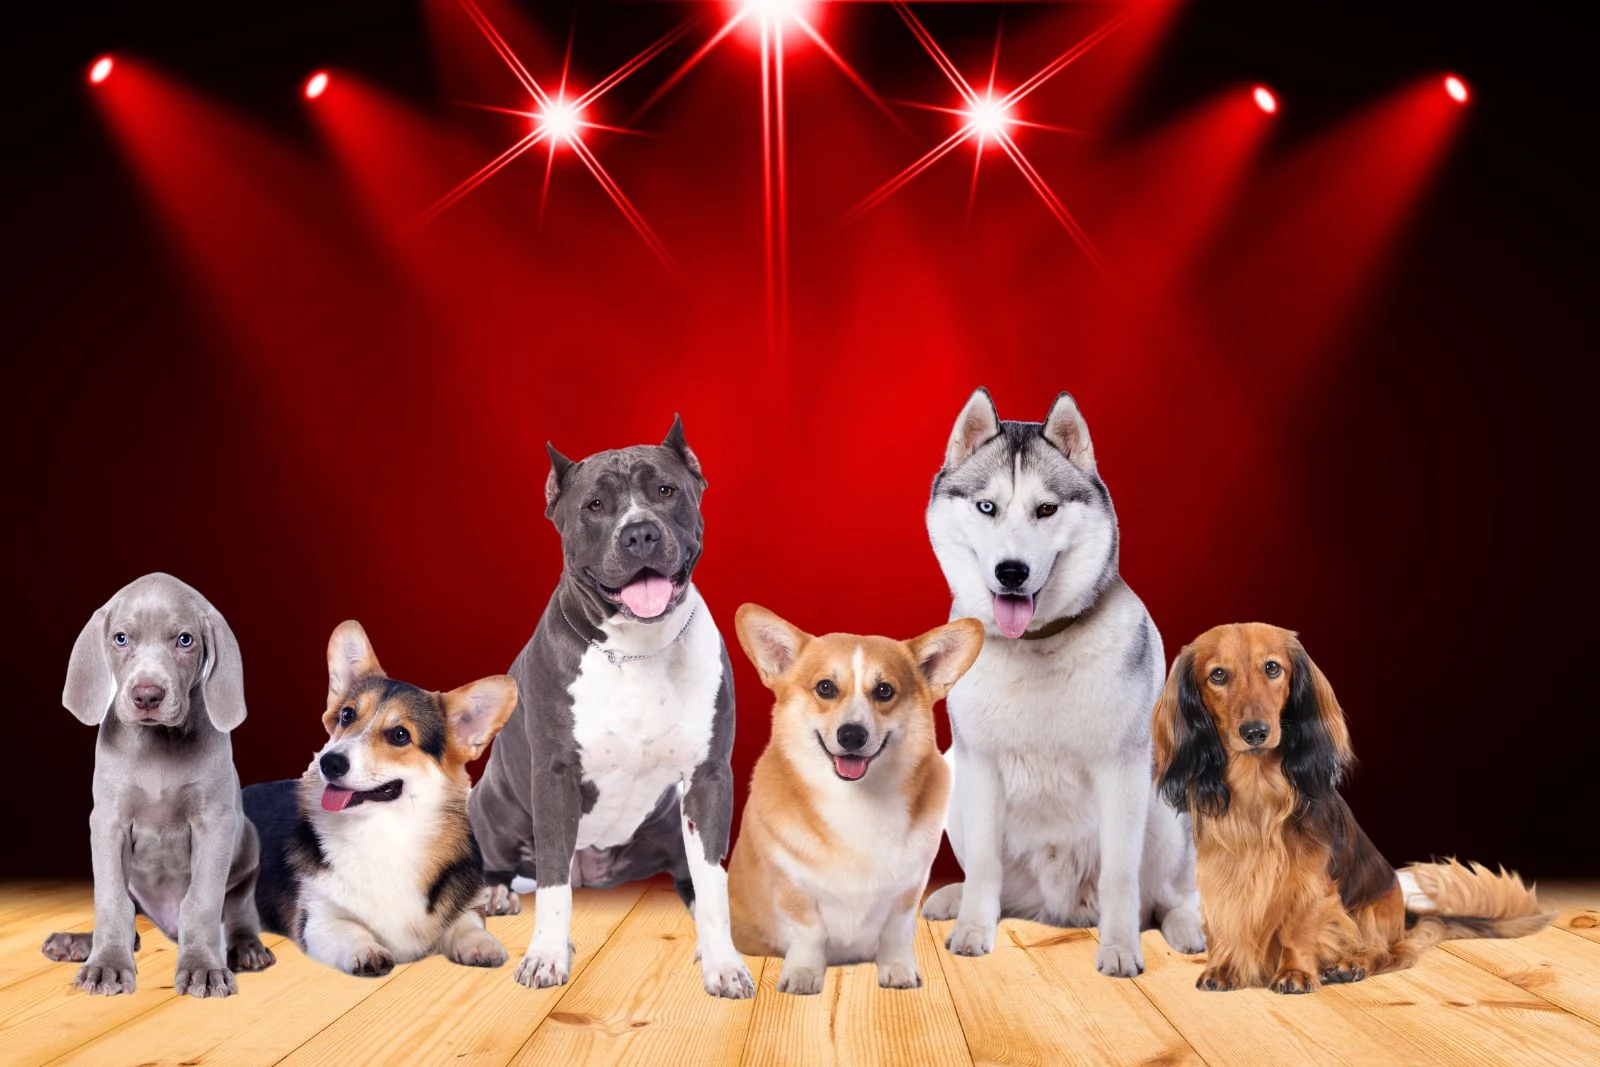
{"x":241,"y":924}
{"x":499,"y":847}
{"x":943,"y":903}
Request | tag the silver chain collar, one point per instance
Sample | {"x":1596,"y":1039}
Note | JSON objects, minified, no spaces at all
{"x":617,"y":659}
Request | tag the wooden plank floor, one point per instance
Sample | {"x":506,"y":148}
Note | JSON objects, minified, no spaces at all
{"x":635,"y":998}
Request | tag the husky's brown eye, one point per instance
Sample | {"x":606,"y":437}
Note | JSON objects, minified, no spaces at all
{"x":399,"y":736}
{"x":1218,"y":676}
{"x":347,"y":715}
{"x":883,"y":692}
{"x":1044,"y":511}
{"x":826,"y":689}
{"x":667,"y":490}
{"x":1272,"y":669}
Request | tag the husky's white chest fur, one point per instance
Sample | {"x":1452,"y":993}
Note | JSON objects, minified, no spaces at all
{"x":644,"y":724}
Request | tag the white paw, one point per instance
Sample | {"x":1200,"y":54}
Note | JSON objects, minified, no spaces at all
{"x":899,"y":976}
{"x":502,"y":901}
{"x":1119,"y":961}
{"x":367,"y":961}
{"x":970,"y":939}
{"x":943,"y":903}
{"x":1183,"y":932}
{"x":727,"y":978}
{"x":542,"y":968}
{"x":477,"y":949}
{"x":804,"y":981}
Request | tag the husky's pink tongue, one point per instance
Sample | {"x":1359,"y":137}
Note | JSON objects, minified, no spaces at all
{"x":336,"y":799}
{"x":1011,"y":613}
{"x":851,"y":767}
{"x":647,"y":597}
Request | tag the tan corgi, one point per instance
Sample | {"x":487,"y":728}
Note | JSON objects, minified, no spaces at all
{"x":847,"y":803}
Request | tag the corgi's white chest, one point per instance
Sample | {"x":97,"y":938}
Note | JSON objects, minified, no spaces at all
{"x":375,"y":872}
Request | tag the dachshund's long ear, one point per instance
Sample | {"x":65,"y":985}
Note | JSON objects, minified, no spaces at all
{"x":1316,"y":743}
{"x":1189,"y":754}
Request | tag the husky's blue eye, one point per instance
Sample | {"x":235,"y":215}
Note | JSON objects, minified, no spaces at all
{"x":986,"y":507}
{"x":120,"y":639}
{"x":185,"y":639}
{"x":826,"y":689}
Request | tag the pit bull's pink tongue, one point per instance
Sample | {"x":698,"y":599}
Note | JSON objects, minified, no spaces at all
{"x":1011,"y":613}
{"x":336,"y":799}
{"x":851,"y":767}
{"x":647,"y":597}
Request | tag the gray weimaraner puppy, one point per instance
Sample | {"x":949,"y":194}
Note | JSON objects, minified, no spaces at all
{"x":158,"y":669}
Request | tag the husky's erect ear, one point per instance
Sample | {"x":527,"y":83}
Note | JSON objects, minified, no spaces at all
{"x":1189,"y":754}
{"x":1316,"y":743}
{"x":945,"y":653}
{"x":772,"y":644}
{"x":559,"y":466}
{"x":476,"y":712}
{"x":676,"y":442}
{"x":1064,"y":427}
{"x":977,"y":424}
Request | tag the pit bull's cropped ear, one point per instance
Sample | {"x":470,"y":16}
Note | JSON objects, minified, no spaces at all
{"x":1064,"y":427}
{"x":944,"y":653}
{"x":559,"y":466}
{"x":772,"y":644}
{"x":350,"y":658}
{"x":90,"y":684}
{"x":222,"y":675}
{"x":977,"y":424}
{"x":477,"y":711}
{"x":676,"y":442}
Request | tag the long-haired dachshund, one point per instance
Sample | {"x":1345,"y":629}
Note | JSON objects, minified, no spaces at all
{"x":1251,"y":742}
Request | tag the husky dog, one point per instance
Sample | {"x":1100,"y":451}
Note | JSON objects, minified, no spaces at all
{"x":1051,"y":811}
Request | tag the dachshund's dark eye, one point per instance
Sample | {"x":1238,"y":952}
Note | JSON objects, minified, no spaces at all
{"x":1044,"y":511}
{"x":986,"y":507}
{"x":399,"y":736}
{"x":347,"y":715}
{"x":594,"y":505}
{"x":1272,"y":668}
{"x":185,"y":639}
{"x":1218,"y":676}
{"x":883,"y":692}
{"x":667,"y":490}
{"x":826,"y":689}
{"x":120,"y":639}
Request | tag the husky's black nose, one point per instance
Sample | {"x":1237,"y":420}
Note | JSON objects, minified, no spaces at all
{"x":851,"y":736}
{"x":1011,"y":573}
{"x":639,"y":538}
{"x":334,"y":765}
{"x":1254,"y":732}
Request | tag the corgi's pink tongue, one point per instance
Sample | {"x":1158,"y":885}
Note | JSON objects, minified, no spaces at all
{"x":1012,"y":612}
{"x":647,"y":597}
{"x":336,"y":799}
{"x":851,"y":767}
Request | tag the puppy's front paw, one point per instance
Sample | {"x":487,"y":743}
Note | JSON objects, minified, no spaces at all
{"x":478,"y":949}
{"x":1184,"y":933}
{"x":943,"y":903}
{"x":1217,"y":980}
{"x":727,"y":978}
{"x":1290,"y":980}
{"x":250,"y":955}
{"x":1119,"y":961}
{"x":67,"y":948}
{"x":970,"y":939}
{"x":502,"y":901}
{"x":200,"y":977}
{"x":106,"y":975}
{"x":368,"y":961}
{"x":804,"y":981}
{"x":543,"y":968}
{"x":899,"y":976}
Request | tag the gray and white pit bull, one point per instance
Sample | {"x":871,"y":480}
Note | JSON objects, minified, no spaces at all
{"x":614,"y":765}
{"x":158,"y":669}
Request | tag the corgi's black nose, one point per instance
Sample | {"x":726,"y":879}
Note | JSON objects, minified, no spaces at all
{"x":1254,"y":732}
{"x":334,"y":765}
{"x":639,"y":538}
{"x":148,"y":697}
{"x":1011,"y":573}
{"x":851,"y":736}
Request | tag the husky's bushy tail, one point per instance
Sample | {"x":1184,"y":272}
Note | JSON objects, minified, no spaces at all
{"x":1449,"y":900}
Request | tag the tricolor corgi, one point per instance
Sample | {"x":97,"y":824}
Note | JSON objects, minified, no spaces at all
{"x":847,"y":803}
{"x":368,"y":859}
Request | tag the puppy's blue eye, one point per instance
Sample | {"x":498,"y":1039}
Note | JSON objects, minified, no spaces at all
{"x":347,"y":715}
{"x":986,"y":507}
{"x":120,"y":639}
{"x":399,"y":736}
{"x":185,"y":639}
{"x":826,"y":689}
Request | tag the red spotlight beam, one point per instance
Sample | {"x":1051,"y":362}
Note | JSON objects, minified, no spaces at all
{"x":626,"y":207}
{"x":893,"y":185}
{"x":483,"y":174}
{"x":609,"y":82}
{"x":498,"y":43}
{"x":1053,"y":202}
{"x":1067,"y":58}
{"x":924,"y":38}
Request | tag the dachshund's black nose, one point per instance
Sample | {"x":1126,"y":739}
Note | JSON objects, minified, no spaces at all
{"x":1255,"y":732}
{"x":334,"y":765}
{"x":148,"y":697}
{"x":640,"y":539}
{"x":1011,"y":573}
{"x":851,"y":736}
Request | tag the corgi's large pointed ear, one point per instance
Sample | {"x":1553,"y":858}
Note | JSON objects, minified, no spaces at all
{"x":944,"y":653}
{"x":772,"y":644}
{"x":1064,"y":427}
{"x":90,"y":685}
{"x":477,"y":711}
{"x":675,"y":441}
{"x":977,"y":424}
{"x":350,"y":658}
{"x":559,"y":466}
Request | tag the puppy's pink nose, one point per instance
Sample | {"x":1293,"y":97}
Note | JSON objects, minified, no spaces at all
{"x":148,"y":697}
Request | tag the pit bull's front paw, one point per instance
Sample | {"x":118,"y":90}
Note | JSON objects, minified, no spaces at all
{"x":727,"y":978}
{"x":1291,"y":980}
{"x":67,"y":948}
{"x":1119,"y":961}
{"x":803,"y":981}
{"x":970,"y":939}
{"x":200,"y":977}
{"x":502,"y":901}
{"x":477,"y":949}
{"x":106,"y":975}
{"x":543,"y":968}
{"x":250,"y":955}
{"x":368,"y":961}
{"x":899,"y":976}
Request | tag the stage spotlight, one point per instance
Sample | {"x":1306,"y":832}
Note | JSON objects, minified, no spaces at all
{"x":1456,"y":88}
{"x":989,"y":116}
{"x":316,"y":85}
{"x":560,"y":121}
{"x":100,"y":70}
{"x":1265,"y":100}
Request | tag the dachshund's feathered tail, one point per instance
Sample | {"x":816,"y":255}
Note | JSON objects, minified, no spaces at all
{"x":1450,"y":900}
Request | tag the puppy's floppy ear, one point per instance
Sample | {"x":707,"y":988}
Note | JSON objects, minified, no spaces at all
{"x":477,"y":711}
{"x":1189,"y":754}
{"x":772,"y":644}
{"x":350,"y":658}
{"x":559,"y":466}
{"x":1065,"y":428}
{"x":90,"y":684}
{"x":676,"y":442}
{"x":222,"y":674}
{"x":945,"y":653}
{"x":1316,"y":743}
{"x":977,"y":424}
